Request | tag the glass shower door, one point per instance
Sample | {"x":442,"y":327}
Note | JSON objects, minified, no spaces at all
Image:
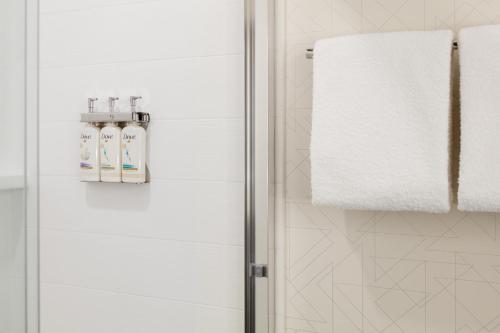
{"x":12,"y":166}
{"x":12,"y":258}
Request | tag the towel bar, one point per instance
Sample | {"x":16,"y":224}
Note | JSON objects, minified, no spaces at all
{"x":310,"y":52}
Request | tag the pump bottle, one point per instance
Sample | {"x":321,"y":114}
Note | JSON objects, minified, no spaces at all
{"x":111,"y":170}
{"x":134,"y":139}
{"x":90,"y":170}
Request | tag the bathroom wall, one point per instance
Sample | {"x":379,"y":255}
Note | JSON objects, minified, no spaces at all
{"x":12,"y":262}
{"x":12,"y":81}
{"x":12,"y":144}
{"x":161,"y":257}
{"x":348,"y":271}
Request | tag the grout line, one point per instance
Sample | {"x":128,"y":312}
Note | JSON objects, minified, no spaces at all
{"x":155,"y":120}
{"x":101,"y":6}
{"x":142,"y":296}
{"x":110,"y":5}
{"x":218,"y":181}
{"x":129,"y":236}
{"x":145,"y":60}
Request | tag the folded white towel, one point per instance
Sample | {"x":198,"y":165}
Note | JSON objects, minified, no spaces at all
{"x":380,"y":132}
{"x":479,"y":180}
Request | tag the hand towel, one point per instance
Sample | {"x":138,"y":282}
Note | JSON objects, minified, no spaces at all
{"x":479,"y":179}
{"x":381,"y":114}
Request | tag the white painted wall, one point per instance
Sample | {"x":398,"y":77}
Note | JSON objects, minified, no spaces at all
{"x":161,"y":257}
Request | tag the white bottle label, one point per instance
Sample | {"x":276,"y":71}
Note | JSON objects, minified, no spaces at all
{"x":131,"y":160}
{"x":134,"y":154}
{"x":89,"y":154}
{"x":110,"y":154}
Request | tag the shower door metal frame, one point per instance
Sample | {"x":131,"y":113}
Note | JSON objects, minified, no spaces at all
{"x":259,"y":166}
{"x":32,"y":166}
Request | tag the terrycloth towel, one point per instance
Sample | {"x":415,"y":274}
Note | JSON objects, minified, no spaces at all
{"x":380,"y":132}
{"x":479,"y":180}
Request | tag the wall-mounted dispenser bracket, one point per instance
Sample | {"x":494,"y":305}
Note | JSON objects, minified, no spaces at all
{"x":116,"y":117}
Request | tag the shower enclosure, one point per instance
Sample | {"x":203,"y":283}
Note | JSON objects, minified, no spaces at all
{"x":308,"y":268}
{"x":18,"y":210}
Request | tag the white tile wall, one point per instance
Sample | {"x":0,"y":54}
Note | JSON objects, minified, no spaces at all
{"x":186,"y":88}
{"x":12,"y":262}
{"x":49,"y":6}
{"x":166,"y":256}
{"x":12,"y":111}
{"x":173,"y":270}
{"x":184,"y":149}
{"x":83,"y":310}
{"x":142,"y":31}
{"x":12,"y":80}
{"x":163,"y":210}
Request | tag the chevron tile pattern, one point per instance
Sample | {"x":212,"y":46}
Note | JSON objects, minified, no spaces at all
{"x":350,"y":272}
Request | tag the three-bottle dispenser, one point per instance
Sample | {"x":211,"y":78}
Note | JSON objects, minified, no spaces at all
{"x":113,"y":145}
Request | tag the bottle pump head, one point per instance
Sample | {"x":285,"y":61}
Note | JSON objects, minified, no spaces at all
{"x":133,"y":102}
{"x":91,"y":102}
{"x":111,"y":103}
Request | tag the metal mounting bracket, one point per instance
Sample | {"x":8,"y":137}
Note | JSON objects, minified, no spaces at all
{"x":259,"y":271}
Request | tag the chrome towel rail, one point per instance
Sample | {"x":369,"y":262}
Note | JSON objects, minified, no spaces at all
{"x":310,"y":52}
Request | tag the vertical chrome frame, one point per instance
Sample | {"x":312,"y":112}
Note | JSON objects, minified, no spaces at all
{"x":249,"y":167}
{"x":259,"y":173}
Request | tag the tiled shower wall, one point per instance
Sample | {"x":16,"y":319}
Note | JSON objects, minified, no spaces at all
{"x":12,"y":261}
{"x":347,"y":271}
{"x":13,"y":229}
{"x":165,"y":256}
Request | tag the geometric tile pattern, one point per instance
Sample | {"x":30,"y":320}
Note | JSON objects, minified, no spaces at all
{"x":348,"y":271}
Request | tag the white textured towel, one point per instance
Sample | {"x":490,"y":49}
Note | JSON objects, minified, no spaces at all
{"x":479,"y":180}
{"x":380,"y":132}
